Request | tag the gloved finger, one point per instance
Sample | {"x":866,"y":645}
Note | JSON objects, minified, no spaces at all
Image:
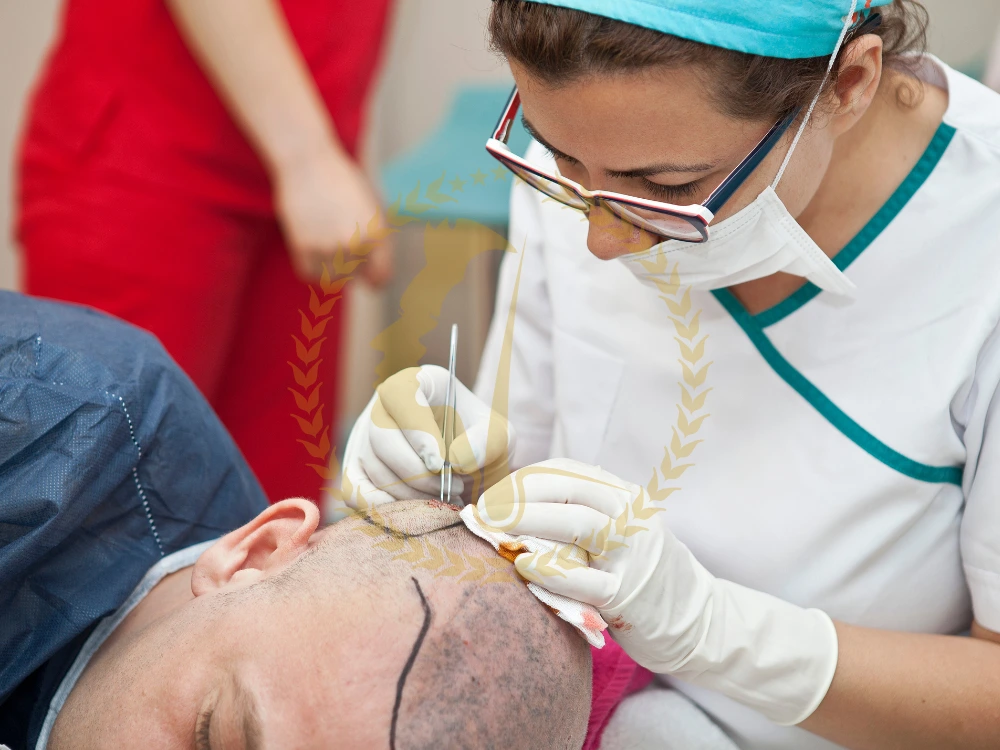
{"x":402,"y":406}
{"x":482,"y":436}
{"x":595,"y":587}
{"x":382,"y":477}
{"x":408,"y":486}
{"x":555,"y":481}
{"x":394,"y":450}
{"x":571,"y":524}
{"x":486,"y":442}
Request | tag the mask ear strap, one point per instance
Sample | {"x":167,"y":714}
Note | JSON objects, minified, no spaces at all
{"x":829,"y":68}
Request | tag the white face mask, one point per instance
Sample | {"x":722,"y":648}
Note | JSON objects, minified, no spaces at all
{"x":757,"y":241}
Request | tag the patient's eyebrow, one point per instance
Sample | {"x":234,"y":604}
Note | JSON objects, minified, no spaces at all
{"x":247,"y":715}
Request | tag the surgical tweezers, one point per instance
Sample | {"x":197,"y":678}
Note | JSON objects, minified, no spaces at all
{"x":448,"y":422}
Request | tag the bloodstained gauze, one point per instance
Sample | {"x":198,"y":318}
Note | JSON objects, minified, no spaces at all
{"x":592,"y":621}
{"x":510,"y":550}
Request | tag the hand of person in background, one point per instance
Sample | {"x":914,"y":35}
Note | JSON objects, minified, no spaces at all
{"x":395,"y":450}
{"x":663,"y":607}
{"x":321,"y":201}
{"x":321,"y":195}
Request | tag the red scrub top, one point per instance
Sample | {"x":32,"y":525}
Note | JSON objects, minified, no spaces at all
{"x":124,"y":60}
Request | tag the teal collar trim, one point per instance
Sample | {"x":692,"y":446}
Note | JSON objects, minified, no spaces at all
{"x":917,"y":176}
{"x":829,"y":410}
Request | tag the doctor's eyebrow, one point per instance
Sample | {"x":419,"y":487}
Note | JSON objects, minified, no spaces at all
{"x":648,"y":171}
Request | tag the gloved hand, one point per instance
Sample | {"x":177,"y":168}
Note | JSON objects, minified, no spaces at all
{"x":662,"y":606}
{"x":395,"y":450}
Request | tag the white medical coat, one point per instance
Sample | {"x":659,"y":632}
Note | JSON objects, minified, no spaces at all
{"x":844,"y":454}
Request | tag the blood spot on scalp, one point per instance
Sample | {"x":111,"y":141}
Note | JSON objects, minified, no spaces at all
{"x":443,"y":506}
{"x":620,"y":624}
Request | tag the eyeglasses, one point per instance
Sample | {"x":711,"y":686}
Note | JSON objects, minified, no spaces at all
{"x":687,"y":223}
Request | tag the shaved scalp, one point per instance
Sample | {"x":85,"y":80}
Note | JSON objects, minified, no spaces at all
{"x":489,"y":665}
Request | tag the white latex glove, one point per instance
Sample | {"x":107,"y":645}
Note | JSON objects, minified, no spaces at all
{"x":395,"y":450}
{"x":662,"y":606}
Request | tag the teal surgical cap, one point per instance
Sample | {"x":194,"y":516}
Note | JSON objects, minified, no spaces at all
{"x":775,"y":28}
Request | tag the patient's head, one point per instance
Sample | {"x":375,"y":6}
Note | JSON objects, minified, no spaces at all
{"x":401,"y":630}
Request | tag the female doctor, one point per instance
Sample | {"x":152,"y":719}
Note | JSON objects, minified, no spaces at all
{"x":791,"y":294}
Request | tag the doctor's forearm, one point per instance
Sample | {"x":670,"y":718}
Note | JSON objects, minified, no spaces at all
{"x":247,"y":50}
{"x":903,"y":690}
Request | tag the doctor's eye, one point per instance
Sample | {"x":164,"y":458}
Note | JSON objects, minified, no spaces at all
{"x":672,"y":192}
{"x":569,"y":160}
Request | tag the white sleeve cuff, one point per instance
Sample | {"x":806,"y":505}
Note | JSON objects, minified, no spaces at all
{"x":984,"y":585}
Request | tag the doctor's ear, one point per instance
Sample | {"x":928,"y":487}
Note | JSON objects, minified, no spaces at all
{"x":858,"y":79}
{"x":258,"y":550}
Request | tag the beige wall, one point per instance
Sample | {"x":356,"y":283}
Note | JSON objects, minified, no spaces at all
{"x":25,"y":29}
{"x":434,"y":46}
{"x":963,"y":30}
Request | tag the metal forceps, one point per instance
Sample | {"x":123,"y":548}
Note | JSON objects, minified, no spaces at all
{"x":448,"y":423}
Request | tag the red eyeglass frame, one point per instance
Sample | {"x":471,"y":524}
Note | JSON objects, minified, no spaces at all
{"x":697,"y":216}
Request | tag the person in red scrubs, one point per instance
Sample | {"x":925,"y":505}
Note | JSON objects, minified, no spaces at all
{"x":189,"y":165}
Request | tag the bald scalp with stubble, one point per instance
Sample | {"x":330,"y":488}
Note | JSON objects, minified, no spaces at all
{"x":489,"y":666}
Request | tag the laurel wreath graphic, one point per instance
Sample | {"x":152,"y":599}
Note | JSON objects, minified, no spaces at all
{"x":694,"y":391}
{"x":323,"y":297}
{"x":422,"y":552}
{"x":690,"y":417}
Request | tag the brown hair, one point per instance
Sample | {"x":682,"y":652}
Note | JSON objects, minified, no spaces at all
{"x":560,"y":45}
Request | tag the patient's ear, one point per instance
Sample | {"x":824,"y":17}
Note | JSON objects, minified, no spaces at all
{"x":258,"y":550}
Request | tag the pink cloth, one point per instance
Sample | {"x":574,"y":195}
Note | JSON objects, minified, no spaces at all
{"x":615,"y":677}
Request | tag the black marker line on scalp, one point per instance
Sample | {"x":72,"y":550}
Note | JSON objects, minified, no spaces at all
{"x":409,"y":663}
{"x":400,"y":534}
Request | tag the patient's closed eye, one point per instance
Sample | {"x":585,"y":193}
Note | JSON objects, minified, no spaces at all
{"x":231,"y":721}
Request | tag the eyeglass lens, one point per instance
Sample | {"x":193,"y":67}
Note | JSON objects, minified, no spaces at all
{"x":657,"y":222}
{"x":549,"y":187}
